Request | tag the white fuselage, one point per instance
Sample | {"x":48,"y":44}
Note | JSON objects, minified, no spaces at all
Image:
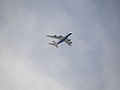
{"x":62,"y":40}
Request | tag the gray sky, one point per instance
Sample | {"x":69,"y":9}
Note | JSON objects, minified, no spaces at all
{"x":27,"y":62}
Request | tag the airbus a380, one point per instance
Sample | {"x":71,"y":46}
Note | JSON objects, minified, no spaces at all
{"x":61,"y":39}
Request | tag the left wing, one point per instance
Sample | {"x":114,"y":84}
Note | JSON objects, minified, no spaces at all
{"x":56,"y":37}
{"x":68,"y":41}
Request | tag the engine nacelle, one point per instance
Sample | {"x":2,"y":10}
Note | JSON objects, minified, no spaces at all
{"x":70,"y":42}
{"x":69,"y":39}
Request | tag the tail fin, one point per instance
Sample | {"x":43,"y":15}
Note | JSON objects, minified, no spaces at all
{"x":54,"y":44}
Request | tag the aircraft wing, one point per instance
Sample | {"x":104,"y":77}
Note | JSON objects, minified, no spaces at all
{"x":56,"y":37}
{"x":68,"y":41}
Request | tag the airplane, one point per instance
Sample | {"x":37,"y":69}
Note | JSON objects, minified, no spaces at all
{"x":61,"y":39}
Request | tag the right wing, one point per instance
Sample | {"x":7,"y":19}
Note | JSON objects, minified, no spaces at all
{"x":68,"y":41}
{"x":56,"y":37}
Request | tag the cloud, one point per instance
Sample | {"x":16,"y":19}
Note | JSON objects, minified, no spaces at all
{"x":16,"y":74}
{"x":28,"y":62}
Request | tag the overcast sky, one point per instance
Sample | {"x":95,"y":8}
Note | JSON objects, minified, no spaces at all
{"x":27,"y":62}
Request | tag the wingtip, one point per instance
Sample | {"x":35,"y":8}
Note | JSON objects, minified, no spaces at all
{"x":47,"y":35}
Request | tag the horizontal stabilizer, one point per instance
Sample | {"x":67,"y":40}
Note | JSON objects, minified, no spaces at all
{"x":54,"y":44}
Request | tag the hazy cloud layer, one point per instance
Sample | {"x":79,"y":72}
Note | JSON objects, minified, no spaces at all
{"x":27,"y":62}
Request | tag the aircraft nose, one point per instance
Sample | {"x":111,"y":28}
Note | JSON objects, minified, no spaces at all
{"x":70,"y":32}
